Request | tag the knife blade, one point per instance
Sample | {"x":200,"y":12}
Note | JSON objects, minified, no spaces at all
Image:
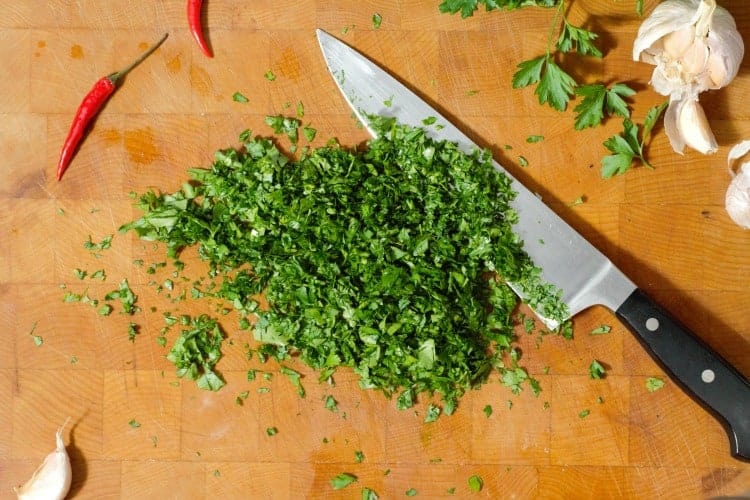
{"x":584,"y":275}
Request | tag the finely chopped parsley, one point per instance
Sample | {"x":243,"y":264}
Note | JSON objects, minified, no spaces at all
{"x":390,"y":260}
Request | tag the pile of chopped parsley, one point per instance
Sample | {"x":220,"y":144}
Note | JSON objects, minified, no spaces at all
{"x":389,"y":260}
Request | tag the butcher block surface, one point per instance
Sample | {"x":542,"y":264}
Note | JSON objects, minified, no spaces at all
{"x":138,"y":431}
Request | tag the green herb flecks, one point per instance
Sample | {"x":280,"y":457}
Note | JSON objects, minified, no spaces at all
{"x":239,"y":97}
{"x":653,"y":384}
{"x":343,"y":480}
{"x":475,"y":483}
{"x":386,"y":259}
{"x":196,"y":352}
{"x":597,"y":370}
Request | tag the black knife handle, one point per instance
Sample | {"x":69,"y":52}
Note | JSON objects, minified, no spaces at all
{"x":702,"y":373}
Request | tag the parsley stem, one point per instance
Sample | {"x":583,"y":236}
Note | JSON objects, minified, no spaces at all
{"x":559,"y":13}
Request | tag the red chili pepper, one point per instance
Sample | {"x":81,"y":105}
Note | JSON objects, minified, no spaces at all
{"x":90,"y":106}
{"x":194,"y":21}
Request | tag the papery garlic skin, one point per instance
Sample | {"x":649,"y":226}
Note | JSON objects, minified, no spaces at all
{"x":694,"y":46}
{"x":51,"y":480}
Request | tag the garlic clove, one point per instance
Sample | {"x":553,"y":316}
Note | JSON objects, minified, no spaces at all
{"x":670,"y":126}
{"x":51,"y":480}
{"x":666,"y":18}
{"x":685,"y":124}
{"x":737,"y":200}
{"x":678,"y":42}
{"x":694,"y":128}
{"x":695,"y":59}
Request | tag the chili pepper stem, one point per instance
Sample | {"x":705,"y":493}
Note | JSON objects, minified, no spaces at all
{"x":114,"y":77}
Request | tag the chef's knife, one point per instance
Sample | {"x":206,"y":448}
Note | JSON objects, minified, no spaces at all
{"x":584,"y":275}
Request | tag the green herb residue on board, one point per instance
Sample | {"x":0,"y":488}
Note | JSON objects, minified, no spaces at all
{"x":389,"y":260}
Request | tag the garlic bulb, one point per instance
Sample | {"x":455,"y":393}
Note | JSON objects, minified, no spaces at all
{"x":51,"y":480}
{"x":694,"y":46}
{"x":737,"y":200}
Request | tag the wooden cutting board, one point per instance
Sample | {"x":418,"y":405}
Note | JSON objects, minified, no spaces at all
{"x":666,"y":228}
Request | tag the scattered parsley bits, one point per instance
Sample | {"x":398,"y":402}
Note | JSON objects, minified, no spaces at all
{"x":369,"y":494}
{"x":433,"y":413}
{"x":197,"y":350}
{"x":331,"y":404}
{"x":584,"y":413}
{"x":377,"y":20}
{"x":411,"y":492}
{"x":475,"y":483}
{"x":359,"y":457}
{"x":534,"y":138}
{"x":269,"y":75}
{"x":487,"y":411}
{"x":134,"y":423}
{"x":383,"y":259}
{"x":343,"y":480}
{"x":653,"y":384}
{"x":596,"y":370}
{"x":239,"y":97}
{"x":272,"y":431}
{"x":126,"y":296}
{"x":38,"y":340}
{"x":295,"y":377}
{"x":104,"y":244}
{"x":601,"y":330}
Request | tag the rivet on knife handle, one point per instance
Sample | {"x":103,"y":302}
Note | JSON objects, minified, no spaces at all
{"x":701,"y":372}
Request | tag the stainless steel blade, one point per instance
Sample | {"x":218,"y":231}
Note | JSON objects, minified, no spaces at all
{"x":584,"y":275}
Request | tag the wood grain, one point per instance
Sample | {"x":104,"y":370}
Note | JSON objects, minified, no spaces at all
{"x":666,"y":228}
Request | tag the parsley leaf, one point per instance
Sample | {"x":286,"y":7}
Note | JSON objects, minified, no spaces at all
{"x":597,"y":99}
{"x":554,"y":86}
{"x":578,"y":39}
{"x":627,"y":146}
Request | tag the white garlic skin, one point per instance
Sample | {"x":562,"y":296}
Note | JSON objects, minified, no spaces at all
{"x":51,"y":480}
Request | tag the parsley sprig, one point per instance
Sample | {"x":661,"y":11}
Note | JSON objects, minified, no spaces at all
{"x":557,"y":88}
